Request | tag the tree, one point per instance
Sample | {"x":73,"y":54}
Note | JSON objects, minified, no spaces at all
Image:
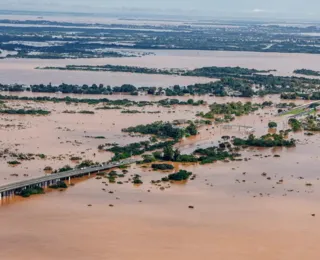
{"x":168,"y":153}
{"x":295,"y":124}
{"x":192,"y":129}
{"x":157,"y":155}
{"x":272,"y":125}
{"x":148,"y":158}
{"x":190,"y":101}
{"x":176,"y":155}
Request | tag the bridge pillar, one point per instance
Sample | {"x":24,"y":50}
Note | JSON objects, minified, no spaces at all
{"x":69,"y":180}
{"x":0,"y":196}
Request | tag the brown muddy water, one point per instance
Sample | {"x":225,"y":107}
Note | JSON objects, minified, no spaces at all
{"x":27,"y":74}
{"x":23,"y":70}
{"x":238,"y":213}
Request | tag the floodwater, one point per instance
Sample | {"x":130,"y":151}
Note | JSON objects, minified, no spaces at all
{"x":238,"y":213}
{"x":235,"y":216}
{"x":63,"y":135}
{"x":23,"y":70}
{"x":73,"y":134}
{"x":284,"y":63}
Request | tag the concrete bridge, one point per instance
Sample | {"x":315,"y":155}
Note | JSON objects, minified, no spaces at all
{"x":9,"y":190}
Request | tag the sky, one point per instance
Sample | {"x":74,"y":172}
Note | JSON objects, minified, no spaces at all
{"x":309,"y":9}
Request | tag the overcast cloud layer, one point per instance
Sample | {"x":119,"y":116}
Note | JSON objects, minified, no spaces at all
{"x":272,"y":8}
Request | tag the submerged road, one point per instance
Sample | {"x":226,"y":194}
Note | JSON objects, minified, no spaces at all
{"x":44,"y":181}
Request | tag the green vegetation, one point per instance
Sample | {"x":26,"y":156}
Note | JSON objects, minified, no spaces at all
{"x":290,"y":95}
{"x":211,"y":72}
{"x":137,"y":179}
{"x":64,"y":169}
{"x":282,"y":106}
{"x":163,"y":130}
{"x":75,"y":158}
{"x":312,"y":93}
{"x":220,"y":72}
{"x":59,"y":185}
{"x":68,"y":100}
{"x":229,"y":110}
{"x":123,"y":152}
{"x":272,"y":125}
{"x":295,"y":124}
{"x":242,"y":86}
{"x":169,"y":102}
{"x":131,"y":112}
{"x":307,"y":72}
{"x":230,"y":84}
{"x":14,"y":163}
{"x":269,"y":140}
{"x":311,"y":123}
{"x":213,"y":154}
{"x":187,"y":158}
{"x":25,"y":112}
{"x":109,"y":108}
{"x":42,"y":156}
{"x":85,"y":163}
{"x":86,"y":112}
{"x":181,"y":175}
{"x":96,"y":137}
{"x":112,"y":176}
{"x":162,"y":167}
{"x":31,"y":191}
{"x":148,"y":158}
{"x":207,"y":155}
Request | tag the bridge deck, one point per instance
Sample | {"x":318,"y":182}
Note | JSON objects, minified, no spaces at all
{"x":62,"y":175}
